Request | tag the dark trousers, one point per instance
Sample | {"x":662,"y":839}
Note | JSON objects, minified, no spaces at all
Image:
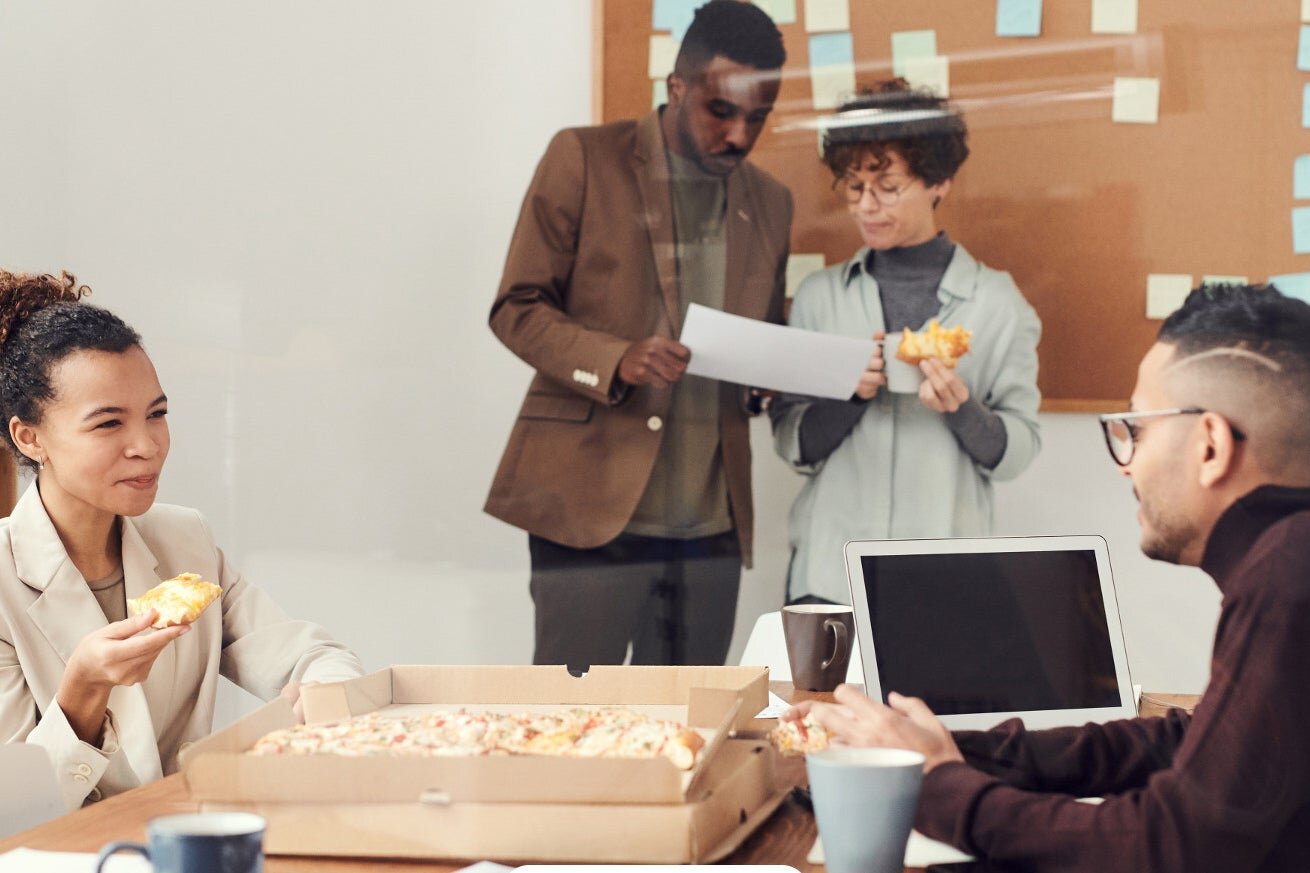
{"x":675,"y":601}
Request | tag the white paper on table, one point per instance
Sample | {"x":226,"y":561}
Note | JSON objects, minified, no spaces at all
{"x":777,"y":706}
{"x":920,"y":851}
{"x":33,"y":861}
{"x":732,"y":348}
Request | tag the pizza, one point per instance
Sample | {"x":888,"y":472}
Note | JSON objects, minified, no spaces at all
{"x":945,"y":344}
{"x":799,"y":737}
{"x":573,"y":733}
{"x":179,"y":600}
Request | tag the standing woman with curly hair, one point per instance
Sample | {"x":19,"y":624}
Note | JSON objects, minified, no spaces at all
{"x":112,"y":701}
{"x":887,"y":465}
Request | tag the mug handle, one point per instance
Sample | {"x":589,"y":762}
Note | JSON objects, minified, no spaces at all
{"x":841,"y":642}
{"x":114,"y":848}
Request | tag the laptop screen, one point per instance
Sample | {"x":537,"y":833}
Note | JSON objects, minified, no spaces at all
{"x":992,"y":627}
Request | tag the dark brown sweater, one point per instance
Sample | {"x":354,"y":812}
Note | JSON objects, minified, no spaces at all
{"x":1226,"y":790}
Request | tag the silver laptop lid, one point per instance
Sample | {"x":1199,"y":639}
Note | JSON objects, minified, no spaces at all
{"x":985,"y":629}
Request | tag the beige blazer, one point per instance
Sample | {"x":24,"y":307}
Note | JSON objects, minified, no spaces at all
{"x":592,"y":267}
{"x":46,"y":609}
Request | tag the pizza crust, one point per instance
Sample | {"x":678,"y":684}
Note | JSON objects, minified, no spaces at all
{"x":179,"y":600}
{"x":793,"y":738}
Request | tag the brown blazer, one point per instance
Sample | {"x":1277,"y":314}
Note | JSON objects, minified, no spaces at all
{"x":591,"y":269}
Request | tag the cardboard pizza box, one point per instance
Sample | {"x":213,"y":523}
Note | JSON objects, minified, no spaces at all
{"x":505,"y":807}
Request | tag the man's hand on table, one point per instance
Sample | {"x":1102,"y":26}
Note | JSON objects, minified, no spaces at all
{"x":907,"y":723}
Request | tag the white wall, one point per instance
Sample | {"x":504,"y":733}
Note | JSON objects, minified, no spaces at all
{"x":303,"y":207}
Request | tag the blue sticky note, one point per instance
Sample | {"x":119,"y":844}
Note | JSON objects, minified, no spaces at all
{"x":1305,"y":106}
{"x":1018,"y":17}
{"x":1301,"y":230}
{"x":673,"y":15}
{"x":1293,"y":285}
{"x":1301,"y":178}
{"x":1303,"y":50}
{"x":830,"y":49}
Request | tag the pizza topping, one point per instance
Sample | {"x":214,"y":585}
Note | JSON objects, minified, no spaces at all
{"x":800,"y":737}
{"x":945,"y":344}
{"x":583,"y":733}
{"x":179,"y":600}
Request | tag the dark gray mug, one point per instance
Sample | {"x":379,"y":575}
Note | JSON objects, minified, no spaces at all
{"x":819,"y":639}
{"x":203,"y":842}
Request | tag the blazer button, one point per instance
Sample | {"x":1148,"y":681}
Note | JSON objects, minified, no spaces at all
{"x":95,"y":794}
{"x":78,"y":777}
{"x":84,"y":769}
{"x":654,"y":422}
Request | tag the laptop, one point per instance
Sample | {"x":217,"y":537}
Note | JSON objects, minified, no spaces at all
{"x":985,"y":629}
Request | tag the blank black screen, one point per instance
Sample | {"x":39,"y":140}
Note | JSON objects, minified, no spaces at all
{"x":999,"y":632}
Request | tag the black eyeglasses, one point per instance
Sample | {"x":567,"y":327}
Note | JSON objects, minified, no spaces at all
{"x":1121,"y":429}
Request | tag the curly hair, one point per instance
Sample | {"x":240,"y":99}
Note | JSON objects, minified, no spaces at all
{"x":916,"y":124}
{"x":42,"y":321}
{"x":740,"y":32}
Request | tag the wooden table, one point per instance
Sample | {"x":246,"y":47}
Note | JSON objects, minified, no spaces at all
{"x":785,"y":838}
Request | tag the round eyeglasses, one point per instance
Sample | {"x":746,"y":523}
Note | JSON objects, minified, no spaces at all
{"x":1121,"y":429}
{"x":885,"y":193}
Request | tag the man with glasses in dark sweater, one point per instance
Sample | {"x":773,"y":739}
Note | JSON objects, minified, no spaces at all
{"x":1217,"y":446}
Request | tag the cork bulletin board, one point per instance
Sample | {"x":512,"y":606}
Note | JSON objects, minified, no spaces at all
{"x":1081,"y":209}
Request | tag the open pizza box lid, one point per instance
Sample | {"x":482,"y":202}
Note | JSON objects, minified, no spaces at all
{"x":713,"y":700}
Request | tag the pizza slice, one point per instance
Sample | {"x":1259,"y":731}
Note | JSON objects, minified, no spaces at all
{"x":945,"y":344}
{"x":179,"y":600}
{"x":800,"y":737}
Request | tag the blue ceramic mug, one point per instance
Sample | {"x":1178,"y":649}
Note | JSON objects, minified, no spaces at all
{"x":204,"y":842}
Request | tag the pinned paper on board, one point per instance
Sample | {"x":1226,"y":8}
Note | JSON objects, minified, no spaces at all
{"x":663,"y":52}
{"x":1305,"y":105}
{"x":1301,"y":178}
{"x":674,"y":16}
{"x":781,"y":11}
{"x":1018,"y":17}
{"x":832,"y":68}
{"x":798,"y":267}
{"x":933,"y":73}
{"x":659,"y":92}
{"x":1301,"y":230}
{"x":1165,"y":292}
{"x":1303,"y":49}
{"x":1136,"y":100}
{"x":827,"y":15}
{"x":1215,"y":279}
{"x":907,"y":44}
{"x":1305,"y":10}
{"x":1293,"y":285}
{"x":1114,"y":16}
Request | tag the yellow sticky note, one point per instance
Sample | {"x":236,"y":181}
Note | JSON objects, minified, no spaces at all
{"x":1223,"y":280}
{"x":800,"y":266}
{"x":832,"y":84}
{"x":663,"y":52}
{"x":659,"y":93}
{"x":933,"y":73}
{"x":1165,"y":292}
{"x":1136,"y":100}
{"x":1114,"y":16}
{"x":823,"y":15}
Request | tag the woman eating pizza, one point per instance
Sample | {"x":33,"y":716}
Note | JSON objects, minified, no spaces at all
{"x":917,"y":463}
{"x":111,"y":699}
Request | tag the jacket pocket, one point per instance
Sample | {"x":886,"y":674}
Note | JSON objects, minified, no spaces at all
{"x":556,"y":407}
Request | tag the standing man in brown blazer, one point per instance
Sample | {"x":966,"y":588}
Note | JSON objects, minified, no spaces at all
{"x":632,"y":479}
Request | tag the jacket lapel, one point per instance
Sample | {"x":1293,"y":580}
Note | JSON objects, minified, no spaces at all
{"x":740,"y":229}
{"x":67,"y":611}
{"x":652,"y":172}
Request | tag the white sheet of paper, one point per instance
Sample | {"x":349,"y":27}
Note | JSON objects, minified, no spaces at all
{"x":777,"y":706}
{"x":749,"y":352}
{"x":832,"y":84}
{"x":920,"y":851}
{"x":32,"y":861}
